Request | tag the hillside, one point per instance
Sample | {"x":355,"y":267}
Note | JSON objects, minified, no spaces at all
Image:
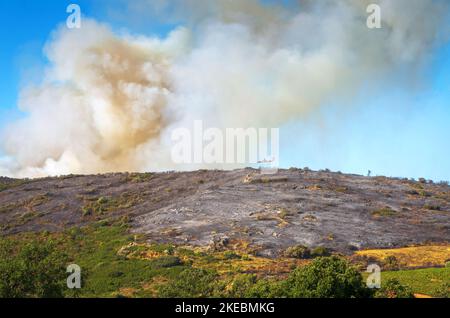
{"x":267,"y":213}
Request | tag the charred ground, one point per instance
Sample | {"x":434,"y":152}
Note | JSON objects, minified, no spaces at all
{"x":267,"y":213}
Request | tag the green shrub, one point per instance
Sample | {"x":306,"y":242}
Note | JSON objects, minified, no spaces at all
{"x":299,"y":251}
{"x":320,"y":251}
{"x":167,"y":261}
{"x":443,"y":291}
{"x":266,"y":289}
{"x":229,"y":255}
{"x":385,"y":212}
{"x":432,"y":207}
{"x":167,"y":249}
{"x":284,"y":213}
{"x":191,"y":283}
{"x":35,"y":270}
{"x":326,"y":277}
{"x":249,"y":286}
{"x":116,"y":274}
{"x":241,"y":285}
{"x":390,"y":262}
{"x":392,"y":288}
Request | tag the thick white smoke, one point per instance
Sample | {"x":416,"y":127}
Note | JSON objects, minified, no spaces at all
{"x":108,"y":102}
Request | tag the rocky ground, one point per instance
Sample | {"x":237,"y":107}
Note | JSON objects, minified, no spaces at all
{"x":218,"y":208}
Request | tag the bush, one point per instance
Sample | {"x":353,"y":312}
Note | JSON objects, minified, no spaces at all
{"x":249,"y":286}
{"x":390,"y":262}
{"x":191,"y":283}
{"x":36,"y":270}
{"x":299,"y":251}
{"x":229,"y":255}
{"x":443,"y":291}
{"x":326,"y":277}
{"x":320,"y":251}
{"x":241,"y":285}
{"x":393,"y":289}
{"x":265,"y":289}
{"x":167,"y":261}
{"x":384,"y":212}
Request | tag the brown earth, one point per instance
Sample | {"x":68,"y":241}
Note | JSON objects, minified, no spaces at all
{"x":267,"y":212}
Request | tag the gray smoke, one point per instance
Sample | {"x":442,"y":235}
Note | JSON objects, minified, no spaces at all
{"x":108,"y":102}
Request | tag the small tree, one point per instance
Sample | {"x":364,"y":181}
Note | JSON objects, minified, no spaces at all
{"x":326,"y":277}
{"x":299,"y":251}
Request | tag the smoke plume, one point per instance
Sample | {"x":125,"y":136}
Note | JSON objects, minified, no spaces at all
{"x":108,"y":101}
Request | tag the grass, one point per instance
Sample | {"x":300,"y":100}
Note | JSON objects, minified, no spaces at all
{"x":104,"y":205}
{"x":116,"y":263}
{"x":108,"y":271}
{"x":384,"y":212}
{"x":29,"y":210}
{"x":412,"y":257}
{"x":264,"y":180}
{"x":432,"y":207}
{"x":140,"y":177}
{"x":105,"y":272}
{"x":422,"y":281}
{"x":13,"y":184}
{"x":226,"y":263}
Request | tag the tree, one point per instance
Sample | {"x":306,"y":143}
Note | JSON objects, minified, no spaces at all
{"x":326,"y":277}
{"x":33,"y":270}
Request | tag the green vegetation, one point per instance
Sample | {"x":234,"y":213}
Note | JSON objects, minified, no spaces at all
{"x":115,"y":263}
{"x":392,"y":288}
{"x":139,"y":177}
{"x":442,"y":291}
{"x":249,"y":286}
{"x":384,"y":212}
{"x":167,"y":261}
{"x":12,"y":184}
{"x":104,"y":205}
{"x":303,"y":252}
{"x":320,"y":251}
{"x":231,"y":255}
{"x":283,"y":213}
{"x":37,"y":269}
{"x":432,"y":207}
{"x":95,"y":249}
{"x":390,"y":262}
{"x":423,"y":281}
{"x":326,"y":277}
{"x":192,"y":283}
{"x":299,"y":251}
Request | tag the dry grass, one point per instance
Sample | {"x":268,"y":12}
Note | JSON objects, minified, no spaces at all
{"x":413,"y":257}
{"x":229,"y":262}
{"x":384,"y":212}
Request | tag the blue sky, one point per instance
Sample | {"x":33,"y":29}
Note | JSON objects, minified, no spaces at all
{"x":398,"y":133}
{"x":395,"y":132}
